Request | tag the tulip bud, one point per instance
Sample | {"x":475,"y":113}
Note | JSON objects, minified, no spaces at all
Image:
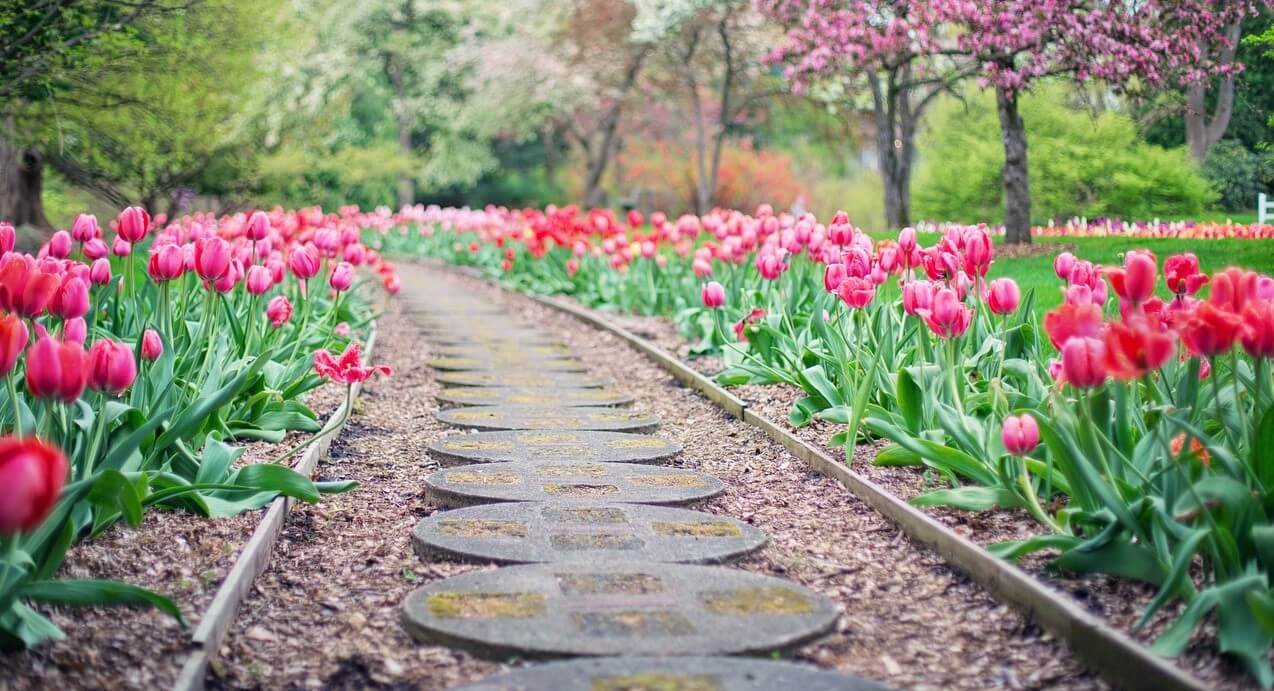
{"x":100,"y":273}
{"x":134,"y":223}
{"x":258,"y":227}
{"x":713,"y":295}
{"x":916,"y":296}
{"x":121,"y":247}
{"x":1004,"y":296}
{"x":279,"y":311}
{"x":304,"y":262}
{"x":230,"y":278}
{"x":95,"y":249}
{"x":55,"y":370}
{"x":8,"y":237}
{"x":13,"y":338}
{"x":71,"y":299}
{"x":32,"y":473}
{"x":342,"y":277}
{"x":258,"y":281}
{"x":111,"y":367}
{"x":167,"y":262}
{"x":75,"y":331}
{"x":1020,"y":434}
{"x":833,"y":276}
{"x":60,"y":245}
{"x":1083,"y":362}
{"x":212,"y":258}
{"x":152,"y":345}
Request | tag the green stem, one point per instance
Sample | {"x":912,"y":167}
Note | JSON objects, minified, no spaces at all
{"x":345,"y":413}
{"x":11,"y":384}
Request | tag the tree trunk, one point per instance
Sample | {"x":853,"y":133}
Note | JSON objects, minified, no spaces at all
{"x":895,"y":135}
{"x":1204,"y":130}
{"x":1017,"y":185}
{"x":599,"y":157}
{"x":406,"y":185}
{"x":21,"y":183}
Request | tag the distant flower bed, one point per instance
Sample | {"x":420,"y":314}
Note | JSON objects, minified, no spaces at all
{"x":1113,"y":227}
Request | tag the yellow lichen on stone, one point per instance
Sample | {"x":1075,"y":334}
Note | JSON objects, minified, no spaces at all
{"x":764,"y":600}
{"x":454,"y":605}
{"x":697,"y":529}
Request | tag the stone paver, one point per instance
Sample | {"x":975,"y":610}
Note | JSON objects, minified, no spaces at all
{"x":526,"y":395}
{"x":526,"y":376}
{"x":672,"y":674}
{"x":569,"y":483}
{"x":541,"y":417}
{"x":495,"y":362}
{"x":638,"y":608}
{"x":559,"y":446}
{"x":526,"y":532}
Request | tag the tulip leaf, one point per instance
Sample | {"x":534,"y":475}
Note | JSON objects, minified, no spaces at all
{"x":1117,"y":557}
{"x":112,"y":491}
{"x":969,"y":498}
{"x":23,"y":627}
{"x":1262,"y":443}
{"x":282,"y":479}
{"x":1176,"y":584}
{"x":197,"y":414}
{"x":90,"y":593}
{"x":895,"y":455}
{"x":1014,"y":549}
{"x":127,"y":445}
{"x":910,"y":401}
{"x":216,"y":460}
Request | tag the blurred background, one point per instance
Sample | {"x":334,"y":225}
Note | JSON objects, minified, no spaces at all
{"x":219,"y":105}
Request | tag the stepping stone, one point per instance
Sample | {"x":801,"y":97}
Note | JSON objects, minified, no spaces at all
{"x":569,"y":483}
{"x":508,"y":395}
{"x":496,"y":350}
{"x":672,"y":674}
{"x":520,"y":377}
{"x":487,"y":339}
{"x":524,"y":532}
{"x":451,"y":362}
{"x":562,"y":447}
{"x":501,"y":417}
{"x":616,"y":608}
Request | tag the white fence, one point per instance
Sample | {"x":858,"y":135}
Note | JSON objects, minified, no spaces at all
{"x":1263,"y":207}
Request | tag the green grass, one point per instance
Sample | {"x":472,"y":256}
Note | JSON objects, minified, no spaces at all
{"x":1036,"y":272}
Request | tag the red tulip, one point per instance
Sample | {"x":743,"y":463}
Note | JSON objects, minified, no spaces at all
{"x":1136,"y":281}
{"x":391,"y":283}
{"x":134,"y":223}
{"x":55,"y":370}
{"x":1069,"y":321}
{"x":1256,"y":333}
{"x":713,"y":295}
{"x":1181,"y":272}
{"x":1135,"y":348}
{"x":947,"y":316}
{"x":1083,"y":362}
{"x":13,"y":338}
{"x":32,"y":473}
{"x":258,"y":280}
{"x":1209,"y":330}
{"x":1020,"y":434}
{"x":212,"y":258}
{"x":111,"y":367}
{"x":635,"y":219}
{"x":349,"y":368}
{"x":71,"y":299}
{"x":152,"y":345}
{"x":1232,"y":288}
{"x":258,"y":227}
{"x":279,"y":311}
{"x":167,"y":262}
{"x":1004,"y":296}
{"x":84,"y":227}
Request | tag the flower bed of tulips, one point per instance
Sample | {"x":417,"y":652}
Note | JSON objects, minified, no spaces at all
{"x":135,"y":358}
{"x":1134,"y":424}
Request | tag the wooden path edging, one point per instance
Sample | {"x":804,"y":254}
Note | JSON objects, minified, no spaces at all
{"x":1111,"y":653}
{"x":255,"y":557}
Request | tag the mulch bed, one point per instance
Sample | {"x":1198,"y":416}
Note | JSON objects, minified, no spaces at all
{"x":326,"y":613}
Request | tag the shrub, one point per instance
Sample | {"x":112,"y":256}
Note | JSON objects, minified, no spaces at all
{"x":1237,"y":173}
{"x":1080,"y":164}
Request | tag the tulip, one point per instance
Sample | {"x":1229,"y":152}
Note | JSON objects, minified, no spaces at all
{"x":341,"y":329}
{"x":343,"y":277}
{"x":212,"y":258}
{"x":84,"y":227}
{"x":111,"y":367}
{"x":167,"y":262}
{"x":391,"y":283}
{"x":152,"y":345}
{"x":71,"y":299}
{"x":978,"y":251}
{"x":305,"y":262}
{"x":230,"y":278}
{"x":1209,"y":330}
{"x":856,"y":292}
{"x":75,"y":331}
{"x":833,"y":276}
{"x":8,"y":237}
{"x":258,"y":227}
{"x":1063,"y":265}
{"x":1232,"y":288}
{"x":100,"y":273}
{"x":1256,"y":332}
{"x":121,"y":247}
{"x":1069,"y":321}
{"x":55,"y":370}
{"x":24,"y":287}
{"x":713,"y":295}
{"x":1084,"y":362}
{"x":1004,"y":296}
{"x":947,"y":316}
{"x":95,"y":249}
{"x":1020,"y":434}
{"x":279,"y":311}
{"x":258,"y":280}
{"x":635,"y":219}
{"x":1181,"y":272}
{"x":32,"y":473}
{"x":1136,"y":281}
{"x":60,"y":245}
{"x":13,"y":338}
{"x":356,"y":254}
{"x":1134,"y":348}
{"x":907,"y":241}
{"x":133,"y":224}
{"x":916,"y":296}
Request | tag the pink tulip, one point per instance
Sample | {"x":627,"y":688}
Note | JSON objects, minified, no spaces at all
{"x":947,"y":316}
{"x":55,"y":370}
{"x":152,"y":345}
{"x":1020,"y":434}
{"x":230,"y":278}
{"x":1063,"y":265}
{"x":713,"y":295}
{"x":305,"y":262}
{"x":100,"y":273}
{"x":134,"y":223}
{"x":212,"y":258}
{"x":84,"y":227}
{"x":857,"y":293}
{"x":95,"y":249}
{"x":258,"y":280}
{"x":702,"y":268}
{"x":111,"y":367}
{"x":71,"y":299}
{"x":341,"y":330}
{"x":8,"y":237}
{"x":833,"y":276}
{"x":907,"y":240}
{"x":1083,"y":362}
{"x":13,"y":338}
{"x":355,"y":254}
{"x":121,"y":247}
{"x":342,"y":277}
{"x":1004,"y":296}
{"x":167,"y":262}
{"x":916,"y":296}
{"x":1136,"y":281}
{"x":60,"y":245}
{"x":279,"y":311}
{"x":258,"y":227}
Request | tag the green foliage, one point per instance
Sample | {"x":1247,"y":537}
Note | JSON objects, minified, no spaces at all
{"x":1080,"y":165}
{"x":1238,"y":174}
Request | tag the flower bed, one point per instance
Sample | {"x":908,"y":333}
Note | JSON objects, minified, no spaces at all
{"x":1129,"y":426}
{"x":143,"y":377}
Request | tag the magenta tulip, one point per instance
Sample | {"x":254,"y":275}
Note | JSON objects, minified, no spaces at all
{"x":13,"y":338}
{"x":60,"y":245}
{"x":1004,"y":296}
{"x":84,"y":227}
{"x":258,"y":280}
{"x":111,"y":367}
{"x":258,"y":227}
{"x":713,"y":294}
{"x":167,"y":262}
{"x":305,"y":262}
{"x":100,"y":273}
{"x":342,"y":277}
{"x":71,"y":299}
{"x":1083,"y":362}
{"x":55,"y":370}
{"x":134,"y":223}
{"x":212,"y":258}
{"x":1020,"y":434}
{"x":152,"y":345}
{"x":279,"y":311}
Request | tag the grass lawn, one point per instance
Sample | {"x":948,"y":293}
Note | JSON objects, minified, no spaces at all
{"x":1036,"y":272}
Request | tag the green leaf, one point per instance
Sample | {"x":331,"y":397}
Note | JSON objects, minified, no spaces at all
{"x":197,"y":414}
{"x":125,"y":447}
{"x":1176,"y":584}
{"x":969,"y":498}
{"x":895,"y":455}
{"x":279,"y":478}
{"x":336,"y":486}
{"x":23,"y":627}
{"x":215,"y":463}
{"x":910,"y":401}
{"x":1117,"y":557}
{"x":1261,"y":445}
{"x":89,"y":593}
{"x":112,"y":491}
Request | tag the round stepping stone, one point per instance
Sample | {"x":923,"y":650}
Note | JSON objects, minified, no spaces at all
{"x":495,"y":350}
{"x":559,"y":446}
{"x":449,"y":362}
{"x":508,"y":395}
{"x":501,"y":417}
{"x":527,"y":532}
{"x":672,"y":674}
{"x":614,"y":608}
{"x":520,"y":377}
{"x":572,"y":483}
